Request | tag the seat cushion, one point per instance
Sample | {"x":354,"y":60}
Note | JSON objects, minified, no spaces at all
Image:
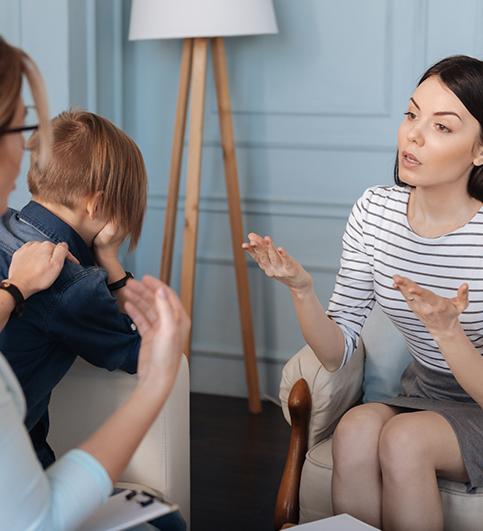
{"x":462,"y":511}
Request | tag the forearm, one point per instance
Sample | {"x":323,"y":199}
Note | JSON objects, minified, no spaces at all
{"x":322,"y":334}
{"x":114,"y":443}
{"x":115,"y":271}
{"x":464,"y":360}
{"x":7,"y":304}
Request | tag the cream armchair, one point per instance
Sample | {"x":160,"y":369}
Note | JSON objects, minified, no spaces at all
{"x":313,"y":400}
{"x":88,"y":395}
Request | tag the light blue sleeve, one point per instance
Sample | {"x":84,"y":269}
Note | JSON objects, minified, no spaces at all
{"x":33,"y":499}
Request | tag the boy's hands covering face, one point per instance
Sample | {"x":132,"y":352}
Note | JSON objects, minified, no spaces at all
{"x":109,"y":240}
{"x":163,"y":325}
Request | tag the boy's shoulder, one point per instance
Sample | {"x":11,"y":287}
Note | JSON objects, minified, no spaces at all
{"x":15,"y":233}
{"x":75,"y":276}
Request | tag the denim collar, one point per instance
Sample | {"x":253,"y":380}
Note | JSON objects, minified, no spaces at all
{"x":57,"y":231}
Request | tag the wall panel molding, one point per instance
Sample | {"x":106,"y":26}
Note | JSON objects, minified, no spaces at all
{"x":226,"y":261}
{"x":262,"y":206}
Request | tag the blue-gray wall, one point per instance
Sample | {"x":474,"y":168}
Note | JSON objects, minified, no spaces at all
{"x":316,"y":110}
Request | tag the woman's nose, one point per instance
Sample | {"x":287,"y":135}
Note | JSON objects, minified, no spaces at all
{"x":415,"y":134}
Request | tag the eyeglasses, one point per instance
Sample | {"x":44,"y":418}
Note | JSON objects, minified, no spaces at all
{"x":30,"y":118}
{"x":22,"y":129}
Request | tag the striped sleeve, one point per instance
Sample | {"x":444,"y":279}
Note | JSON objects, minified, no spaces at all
{"x":353,"y":296}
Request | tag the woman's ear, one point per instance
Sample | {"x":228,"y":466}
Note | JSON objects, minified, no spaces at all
{"x":92,"y":205}
{"x":478,"y":160}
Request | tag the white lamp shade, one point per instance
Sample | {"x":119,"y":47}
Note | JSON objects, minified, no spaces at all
{"x":170,"y":19}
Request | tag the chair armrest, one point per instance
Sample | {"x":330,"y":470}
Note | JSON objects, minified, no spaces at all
{"x":87,"y":396}
{"x":287,"y":504}
{"x":332,"y":393}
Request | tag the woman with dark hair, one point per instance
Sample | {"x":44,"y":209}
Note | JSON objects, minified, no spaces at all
{"x":417,"y":249}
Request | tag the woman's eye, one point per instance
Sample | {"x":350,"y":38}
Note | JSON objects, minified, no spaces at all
{"x":410,"y":115}
{"x":442,"y":128}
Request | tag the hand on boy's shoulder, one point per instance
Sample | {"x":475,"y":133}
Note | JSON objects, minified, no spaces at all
{"x":36,"y":265}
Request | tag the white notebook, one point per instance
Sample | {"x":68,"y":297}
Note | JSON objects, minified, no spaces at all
{"x":341,"y":522}
{"x":125,"y":510}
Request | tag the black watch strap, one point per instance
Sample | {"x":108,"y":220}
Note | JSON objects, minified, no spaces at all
{"x":120,"y":283}
{"x":16,"y":294}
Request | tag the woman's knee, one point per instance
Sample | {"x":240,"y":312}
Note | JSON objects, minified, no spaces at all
{"x":357,"y":434}
{"x":403,"y":449}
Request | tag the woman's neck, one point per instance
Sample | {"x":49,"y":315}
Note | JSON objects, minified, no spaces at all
{"x":434,"y":211}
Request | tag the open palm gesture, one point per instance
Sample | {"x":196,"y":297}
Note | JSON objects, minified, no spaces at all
{"x":439,"y":314}
{"x":276,"y":263}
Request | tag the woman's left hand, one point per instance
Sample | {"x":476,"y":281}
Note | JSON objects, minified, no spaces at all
{"x":439,"y":314}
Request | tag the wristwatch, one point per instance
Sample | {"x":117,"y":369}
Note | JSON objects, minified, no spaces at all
{"x":17,"y":296}
{"x":120,"y":283}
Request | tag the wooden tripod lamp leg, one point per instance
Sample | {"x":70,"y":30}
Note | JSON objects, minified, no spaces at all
{"x":176,"y":156}
{"x":198,"y":79}
{"x":233,"y":193}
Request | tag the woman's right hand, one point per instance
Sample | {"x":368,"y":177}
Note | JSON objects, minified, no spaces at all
{"x":163,"y":325}
{"x":276,"y":263}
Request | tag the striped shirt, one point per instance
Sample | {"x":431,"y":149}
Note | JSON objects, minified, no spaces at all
{"x":378,"y":243}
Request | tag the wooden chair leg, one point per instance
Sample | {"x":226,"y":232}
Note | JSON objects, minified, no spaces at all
{"x":287,"y":505}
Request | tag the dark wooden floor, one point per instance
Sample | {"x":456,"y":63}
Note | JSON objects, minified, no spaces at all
{"x":236,"y":463}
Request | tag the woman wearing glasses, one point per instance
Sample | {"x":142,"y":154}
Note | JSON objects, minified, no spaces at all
{"x":64,"y":495}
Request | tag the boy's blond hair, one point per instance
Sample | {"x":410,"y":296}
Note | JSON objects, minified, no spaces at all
{"x":90,"y":155}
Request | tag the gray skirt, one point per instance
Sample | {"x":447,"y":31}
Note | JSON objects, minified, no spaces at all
{"x":425,"y":389}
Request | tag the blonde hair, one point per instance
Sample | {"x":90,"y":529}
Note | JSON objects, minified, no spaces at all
{"x":90,"y":155}
{"x":14,"y":64}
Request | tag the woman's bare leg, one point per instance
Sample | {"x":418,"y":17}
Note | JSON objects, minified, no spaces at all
{"x":413,"y":448}
{"x":356,"y":477}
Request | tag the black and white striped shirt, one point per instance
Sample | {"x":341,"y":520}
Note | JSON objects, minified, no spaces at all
{"x":378,"y":243}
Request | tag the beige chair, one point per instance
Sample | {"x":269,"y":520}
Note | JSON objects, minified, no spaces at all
{"x":313,"y":401}
{"x":88,"y":395}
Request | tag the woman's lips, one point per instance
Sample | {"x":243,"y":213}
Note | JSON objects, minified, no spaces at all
{"x":409,"y":160}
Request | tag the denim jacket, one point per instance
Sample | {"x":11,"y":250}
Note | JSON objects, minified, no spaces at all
{"x":76,"y":316}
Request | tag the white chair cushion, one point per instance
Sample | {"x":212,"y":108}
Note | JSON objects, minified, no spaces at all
{"x":333,"y":393}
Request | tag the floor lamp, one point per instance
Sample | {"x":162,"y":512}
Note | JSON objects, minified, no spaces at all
{"x":201,"y":23}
